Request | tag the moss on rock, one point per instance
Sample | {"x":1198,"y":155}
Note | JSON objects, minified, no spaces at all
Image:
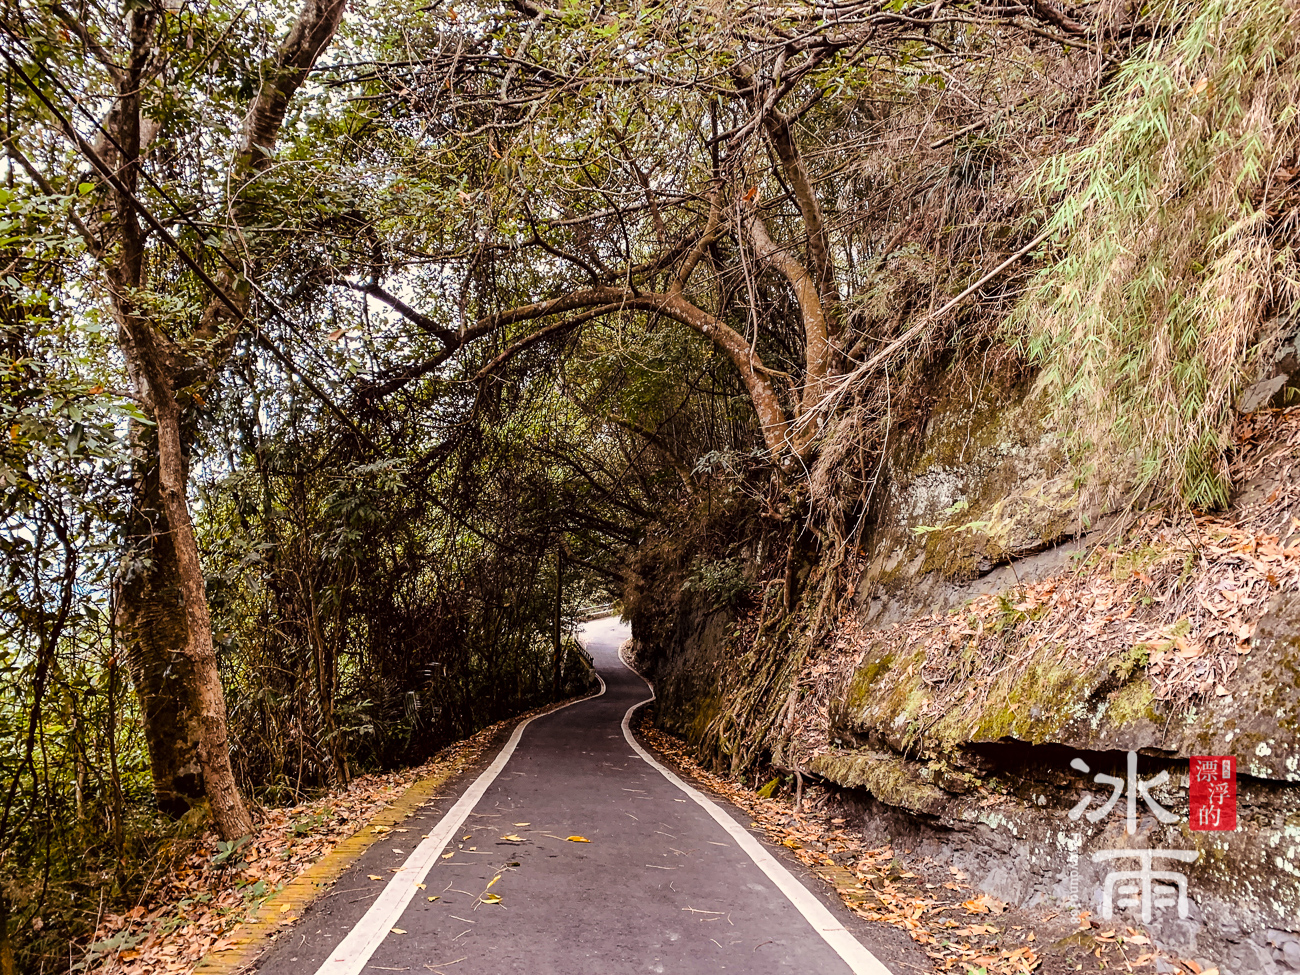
{"x":890,"y":779}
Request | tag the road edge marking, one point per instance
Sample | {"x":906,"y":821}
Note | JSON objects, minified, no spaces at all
{"x":860,"y":960}
{"x":250,"y":938}
{"x":350,"y":955}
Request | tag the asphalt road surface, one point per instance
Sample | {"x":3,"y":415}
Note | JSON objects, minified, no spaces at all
{"x":668,"y":881}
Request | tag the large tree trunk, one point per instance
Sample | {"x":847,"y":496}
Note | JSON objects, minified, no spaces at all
{"x":162,"y":608}
{"x":162,"y":595}
{"x":152,"y":632}
{"x":162,"y":599}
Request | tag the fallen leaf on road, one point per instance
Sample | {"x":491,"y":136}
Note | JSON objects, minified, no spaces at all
{"x":434,"y":968}
{"x":449,"y":854}
{"x":397,"y":931}
{"x":433,"y":898}
{"x":177,"y":919}
{"x":513,"y":838}
{"x":577,"y":839}
{"x":491,"y":898}
{"x":374,"y":876}
{"x":421,"y":886}
{"x":521,"y":824}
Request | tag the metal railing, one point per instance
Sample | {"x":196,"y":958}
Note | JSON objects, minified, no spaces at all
{"x":594,"y":612}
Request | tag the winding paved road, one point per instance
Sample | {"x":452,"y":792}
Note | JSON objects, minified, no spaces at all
{"x":669,"y":882}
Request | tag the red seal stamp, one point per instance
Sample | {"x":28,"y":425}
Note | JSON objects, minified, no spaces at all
{"x":1214,"y":792}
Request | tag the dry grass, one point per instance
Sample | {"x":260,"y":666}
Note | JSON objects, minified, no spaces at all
{"x":922,"y":212}
{"x":1176,"y":264}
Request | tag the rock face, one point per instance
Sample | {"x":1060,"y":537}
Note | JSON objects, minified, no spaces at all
{"x":974,"y":669}
{"x":988,"y":782}
{"x":1278,"y":382}
{"x":997,"y":802}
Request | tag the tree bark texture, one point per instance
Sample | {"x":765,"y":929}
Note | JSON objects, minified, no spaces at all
{"x":162,"y":593}
{"x":162,"y":608}
{"x":152,"y":630}
{"x":818,"y":359}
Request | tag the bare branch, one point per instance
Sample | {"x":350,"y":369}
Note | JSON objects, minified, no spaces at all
{"x":778,"y":130}
{"x":672,"y":305}
{"x":671,"y":455}
{"x":701,"y":246}
{"x":1046,"y":10}
{"x":818,"y":353}
{"x":555,"y":328}
{"x":444,"y":335}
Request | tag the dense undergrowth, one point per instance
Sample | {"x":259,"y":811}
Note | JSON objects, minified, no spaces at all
{"x":1165,"y":191}
{"x":359,"y":631}
{"x":394,"y":524}
{"x":1175,"y":267}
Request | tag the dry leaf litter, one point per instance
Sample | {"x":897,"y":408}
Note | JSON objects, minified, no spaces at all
{"x":194,"y":907}
{"x":960,"y":929}
{"x":1190,"y":590}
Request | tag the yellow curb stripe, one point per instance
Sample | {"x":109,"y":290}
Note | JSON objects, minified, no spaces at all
{"x":365,"y":937}
{"x":252,"y":937}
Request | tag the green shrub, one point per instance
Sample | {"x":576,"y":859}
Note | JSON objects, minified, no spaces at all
{"x":722,"y":581}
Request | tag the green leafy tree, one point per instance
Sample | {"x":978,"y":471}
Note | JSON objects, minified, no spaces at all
{"x":151,"y":116}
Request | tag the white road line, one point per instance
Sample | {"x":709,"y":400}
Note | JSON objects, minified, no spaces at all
{"x":369,"y":933}
{"x":350,"y":957}
{"x":858,"y":958}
